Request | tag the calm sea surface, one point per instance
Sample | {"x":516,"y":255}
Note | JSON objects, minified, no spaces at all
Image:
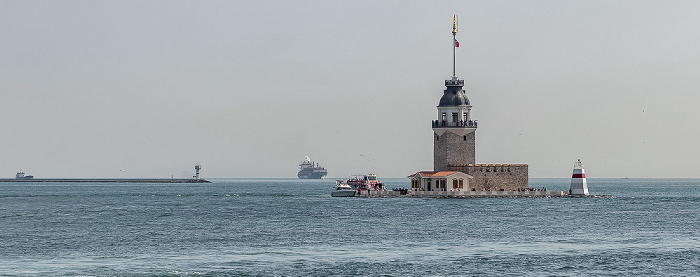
{"x":291,"y":227}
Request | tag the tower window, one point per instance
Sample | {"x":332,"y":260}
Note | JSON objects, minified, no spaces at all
{"x":444,"y":116}
{"x":465,"y":118}
{"x":454,"y":117}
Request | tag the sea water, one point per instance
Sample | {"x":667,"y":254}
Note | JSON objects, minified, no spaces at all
{"x":291,"y":227}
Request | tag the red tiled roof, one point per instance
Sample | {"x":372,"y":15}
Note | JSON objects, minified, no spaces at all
{"x":444,"y":173}
{"x":436,"y":173}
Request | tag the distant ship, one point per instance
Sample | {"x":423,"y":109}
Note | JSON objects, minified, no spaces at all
{"x":20,"y":175}
{"x":309,"y":170}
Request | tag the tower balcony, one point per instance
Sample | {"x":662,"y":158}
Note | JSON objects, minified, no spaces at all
{"x":459,"y":124}
{"x":460,"y":128}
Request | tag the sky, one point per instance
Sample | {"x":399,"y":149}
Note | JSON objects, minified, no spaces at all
{"x":105,"y":89}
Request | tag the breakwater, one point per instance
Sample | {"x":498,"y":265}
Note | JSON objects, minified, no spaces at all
{"x":151,"y":180}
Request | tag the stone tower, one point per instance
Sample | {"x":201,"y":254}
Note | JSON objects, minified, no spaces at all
{"x":454,"y":129}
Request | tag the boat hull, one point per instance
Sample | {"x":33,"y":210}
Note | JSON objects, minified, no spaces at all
{"x":343,"y":193}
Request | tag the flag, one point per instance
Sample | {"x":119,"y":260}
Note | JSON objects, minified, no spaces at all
{"x":456,"y":43}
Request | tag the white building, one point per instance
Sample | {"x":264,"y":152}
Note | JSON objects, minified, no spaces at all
{"x":440,"y":181}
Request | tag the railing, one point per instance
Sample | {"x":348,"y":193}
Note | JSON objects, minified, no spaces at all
{"x":443,"y":123}
{"x":454,"y":82}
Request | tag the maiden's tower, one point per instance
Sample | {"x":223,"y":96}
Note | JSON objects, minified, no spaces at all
{"x":454,"y":142}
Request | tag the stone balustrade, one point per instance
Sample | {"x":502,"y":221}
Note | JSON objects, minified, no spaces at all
{"x":443,"y":123}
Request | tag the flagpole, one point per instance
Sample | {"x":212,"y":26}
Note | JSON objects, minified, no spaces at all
{"x":454,"y":47}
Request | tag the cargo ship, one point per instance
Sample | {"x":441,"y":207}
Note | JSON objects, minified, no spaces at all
{"x":20,"y":176}
{"x":311,"y":170}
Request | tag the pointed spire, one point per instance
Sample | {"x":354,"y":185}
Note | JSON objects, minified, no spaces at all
{"x":454,"y":47}
{"x":454,"y":25}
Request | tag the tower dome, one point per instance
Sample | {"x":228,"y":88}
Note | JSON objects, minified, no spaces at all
{"x":454,"y":96}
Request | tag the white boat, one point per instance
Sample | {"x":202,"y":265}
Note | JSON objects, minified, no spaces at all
{"x":365,"y":182}
{"x":342,"y":190}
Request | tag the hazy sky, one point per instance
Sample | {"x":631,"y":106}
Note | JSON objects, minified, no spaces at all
{"x":248,"y":88}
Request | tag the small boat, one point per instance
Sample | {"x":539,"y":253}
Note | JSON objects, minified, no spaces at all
{"x":342,"y":190}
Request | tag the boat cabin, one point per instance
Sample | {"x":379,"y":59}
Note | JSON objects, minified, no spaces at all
{"x":365,"y":182}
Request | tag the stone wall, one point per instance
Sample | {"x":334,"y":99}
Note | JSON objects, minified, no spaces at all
{"x":493,"y":177}
{"x":450,"y":148}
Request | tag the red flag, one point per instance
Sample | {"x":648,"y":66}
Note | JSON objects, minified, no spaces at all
{"x":456,"y":43}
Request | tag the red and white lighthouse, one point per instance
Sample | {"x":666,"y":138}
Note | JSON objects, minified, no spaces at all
{"x":578,"y":180}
